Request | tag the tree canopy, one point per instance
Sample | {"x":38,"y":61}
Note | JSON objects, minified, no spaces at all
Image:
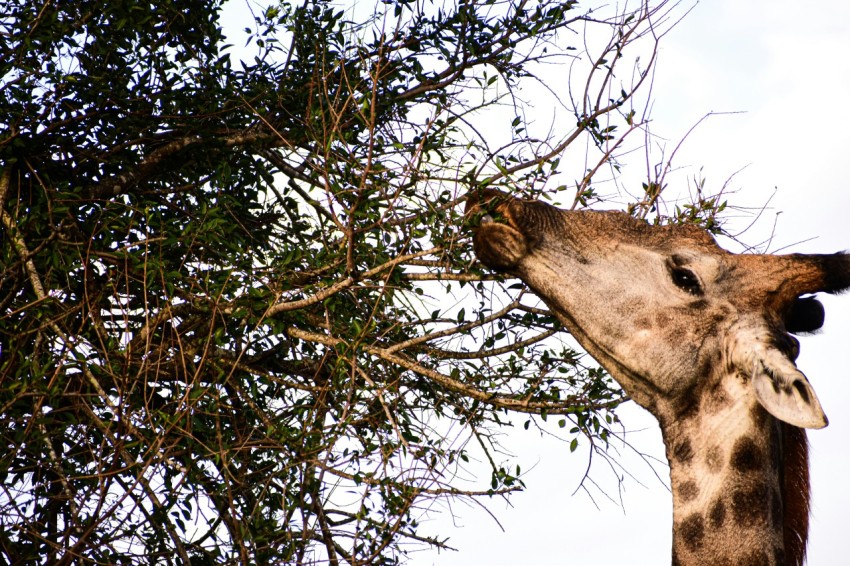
{"x":239,"y":314}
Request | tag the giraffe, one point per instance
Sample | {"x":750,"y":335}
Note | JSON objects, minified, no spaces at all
{"x":698,"y":336}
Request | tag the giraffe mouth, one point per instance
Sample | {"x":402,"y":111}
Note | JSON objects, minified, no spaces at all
{"x":488,"y":206}
{"x":499,"y":242}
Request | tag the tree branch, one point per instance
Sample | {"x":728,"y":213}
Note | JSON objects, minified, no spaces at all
{"x":569,"y":405}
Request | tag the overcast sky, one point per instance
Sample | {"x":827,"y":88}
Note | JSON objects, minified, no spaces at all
{"x":785,"y":65}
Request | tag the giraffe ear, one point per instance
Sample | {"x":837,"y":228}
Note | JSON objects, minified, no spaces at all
{"x":786,"y":394}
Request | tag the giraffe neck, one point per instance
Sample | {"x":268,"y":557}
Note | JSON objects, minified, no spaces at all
{"x":727,"y":473}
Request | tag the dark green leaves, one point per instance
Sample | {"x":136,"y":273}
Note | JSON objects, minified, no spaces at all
{"x":238,"y":313}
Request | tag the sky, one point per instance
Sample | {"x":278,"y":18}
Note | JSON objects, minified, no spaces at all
{"x":781,"y":72}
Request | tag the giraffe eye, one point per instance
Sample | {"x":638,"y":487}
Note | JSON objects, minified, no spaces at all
{"x":686,"y":280}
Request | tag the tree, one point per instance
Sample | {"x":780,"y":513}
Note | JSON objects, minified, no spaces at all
{"x":241,"y":321}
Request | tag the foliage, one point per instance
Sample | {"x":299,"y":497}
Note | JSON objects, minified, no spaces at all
{"x":239,"y":314}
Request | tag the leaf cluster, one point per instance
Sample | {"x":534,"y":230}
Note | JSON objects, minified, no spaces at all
{"x":239,"y":316}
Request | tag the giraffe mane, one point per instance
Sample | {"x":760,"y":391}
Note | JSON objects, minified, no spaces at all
{"x":796,"y":493}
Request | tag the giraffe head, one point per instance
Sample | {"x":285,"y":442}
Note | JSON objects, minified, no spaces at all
{"x":663,"y":308}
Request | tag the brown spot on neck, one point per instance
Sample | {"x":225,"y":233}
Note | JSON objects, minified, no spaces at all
{"x":683,"y":452}
{"x":693,"y":532}
{"x":717,"y":514}
{"x":751,"y":504}
{"x":688,"y":491}
{"x":747,"y":457}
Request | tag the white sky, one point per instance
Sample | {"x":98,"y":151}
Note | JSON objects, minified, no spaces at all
{"x":786,"y":66}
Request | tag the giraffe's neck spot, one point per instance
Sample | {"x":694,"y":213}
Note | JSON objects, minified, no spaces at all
{"x":692,"y":531}
{"x":746,"y":456}
{"x":688,"y":491}
{"x":717,"y":514}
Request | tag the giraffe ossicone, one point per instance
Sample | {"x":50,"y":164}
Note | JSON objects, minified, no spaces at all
{"x":701,"y":338}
